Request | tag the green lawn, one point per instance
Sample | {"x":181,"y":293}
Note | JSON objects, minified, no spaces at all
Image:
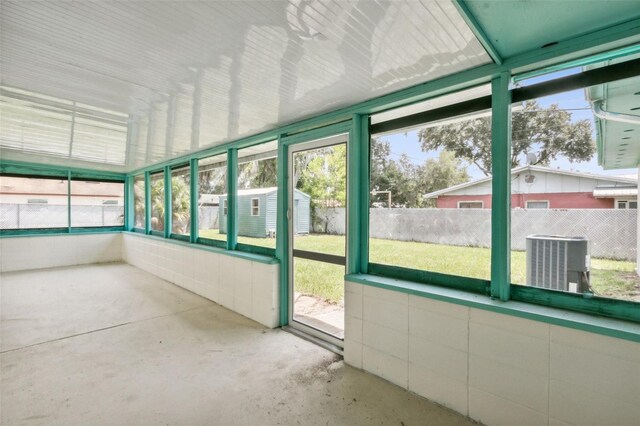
{"x":609,"y":278}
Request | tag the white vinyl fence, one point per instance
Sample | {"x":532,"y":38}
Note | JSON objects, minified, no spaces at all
{"x":27,"y":216}
{"x":613,"y":233}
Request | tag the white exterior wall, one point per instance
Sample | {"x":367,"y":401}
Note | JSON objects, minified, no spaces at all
{"x":36,"y":252}
{"x":497,"y":369}
{"x":247,"y":287}
{"x":544,"y":183}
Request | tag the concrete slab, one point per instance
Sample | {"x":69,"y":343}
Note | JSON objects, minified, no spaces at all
{"x":178,"y":360}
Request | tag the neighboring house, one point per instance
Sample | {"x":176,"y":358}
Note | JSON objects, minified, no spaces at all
{"x":257,"y":212}
{"x":536,"y":187}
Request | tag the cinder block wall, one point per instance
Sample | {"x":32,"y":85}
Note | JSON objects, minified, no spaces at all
{"x":495,"y":368}
{"x":48,"y":251}
{"x":247,"y":287}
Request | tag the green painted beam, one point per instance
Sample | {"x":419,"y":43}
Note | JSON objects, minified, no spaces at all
{"x":282,"y":231}
{"x":167,"y":202}
{"x":232,"y":198}
{"x":364,"y":181}
{"x":357,"y":199}
{"x":194,"y":194}
{"x":129,"y":204}
{"x":477,"y":30}
{"x":501,"y":187}
{"x":147,"y":203}
{"x":581,"y":62}
{"x":69,"y":200}
{"x":33,"y":169}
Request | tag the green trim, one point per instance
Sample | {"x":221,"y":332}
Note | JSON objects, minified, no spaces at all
{"x":357,"y":217}
{"x":34,"y":169}
{"x":586,"y":303}
{"x":501,"y":187}
{"x":138,"y":230}
{"x":212,"y":243}
{"x":420,"y":277}
{"x":168,"y":213}
{"x":69,"y":200}
{"x":582,"y":62}
{"x":129,"y":203}
{"x":232,"y":198}
{"x":282,"y":230}
{"x":248,"y":256}
{"x":147,"y":202}
{"x":250,"y":248}
{"x":477,"y":30}
{"x":194,"y":194}
{"x":605,"y":326}
{"x":156,"y":233}
{"x":39,"y":232}
{"x":180,"y":237}
{"x":364,"y":179}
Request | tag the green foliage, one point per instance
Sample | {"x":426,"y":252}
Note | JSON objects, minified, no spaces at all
{"x":322,"y":174}
{"x":258,"y":174}
{"x":180,"y":202}
{"x":407,"y":181}
{"x":546,"y":132}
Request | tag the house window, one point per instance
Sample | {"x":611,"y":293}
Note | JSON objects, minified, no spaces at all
{"x":626,"y":204}
{"x":470,"y":204}
{"x":537,"y":204}
{"x":224,"y":207}
{"x":255,"y":207}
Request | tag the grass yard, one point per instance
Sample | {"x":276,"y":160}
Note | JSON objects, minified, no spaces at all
{"x":609,"y":278}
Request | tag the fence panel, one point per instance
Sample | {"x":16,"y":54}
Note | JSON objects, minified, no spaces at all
{"x":613,"y":233}
{"x":30,"y":216}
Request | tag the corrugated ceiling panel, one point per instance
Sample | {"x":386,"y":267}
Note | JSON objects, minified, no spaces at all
{"x":195,"y":74}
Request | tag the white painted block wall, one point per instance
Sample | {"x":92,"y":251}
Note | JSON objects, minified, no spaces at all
{"x":48,"y":251}
{"x":247,"y":287}
{"x":498,"y":369}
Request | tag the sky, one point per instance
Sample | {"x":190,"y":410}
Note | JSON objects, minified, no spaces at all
{"x":574,"y":102}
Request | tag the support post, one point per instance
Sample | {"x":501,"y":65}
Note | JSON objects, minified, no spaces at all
{"x":282,"y":231}
{"x":69,"y":201}
{"x":147,"y":203}
{"x":232,"y":198}
{"x":358,"y":195}
{"x":194,"y":193}
{"x":129,"y":203}
{"x":167,"y":202}
{"x":501,"y":187}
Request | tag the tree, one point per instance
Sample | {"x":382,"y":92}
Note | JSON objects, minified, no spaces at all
{"x":322,"y":174}
{"x":546,"y":132}
{"x":258,"y":174}
{"x":180,"y":200}
{"x":408,"y":181}
{"x":441,"y":173}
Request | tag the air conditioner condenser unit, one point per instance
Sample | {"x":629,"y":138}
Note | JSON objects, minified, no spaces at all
{"x":558,"y":262}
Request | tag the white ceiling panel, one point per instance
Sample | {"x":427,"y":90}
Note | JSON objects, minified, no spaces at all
{"x":193,"y":74}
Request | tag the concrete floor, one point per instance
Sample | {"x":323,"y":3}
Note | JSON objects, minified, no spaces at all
{"x":111,"y":344}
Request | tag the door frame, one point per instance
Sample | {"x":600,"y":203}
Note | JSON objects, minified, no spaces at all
{"x":288,"y":145}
